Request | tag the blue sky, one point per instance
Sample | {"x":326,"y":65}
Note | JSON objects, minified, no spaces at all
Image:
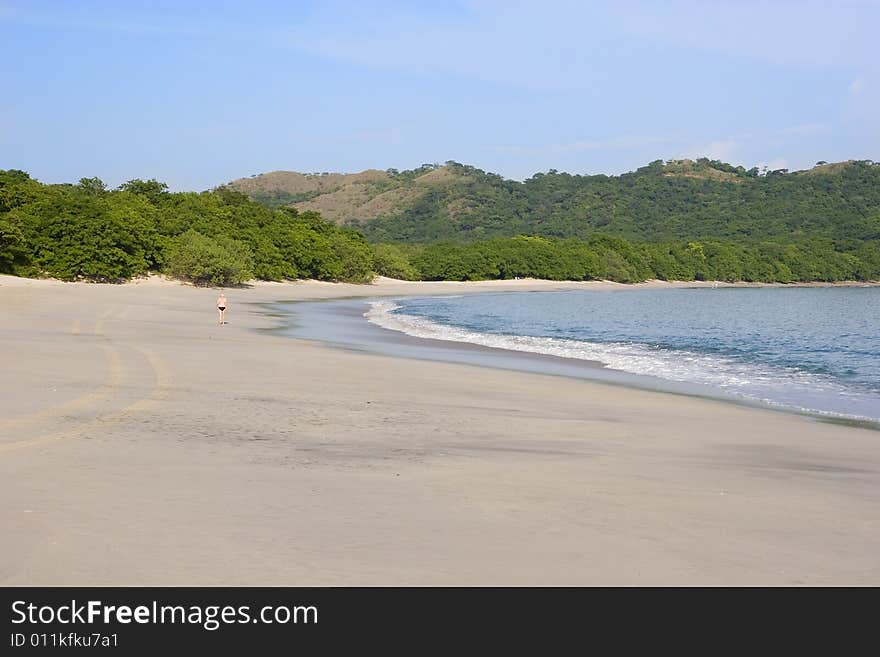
{"x":199,"y":93}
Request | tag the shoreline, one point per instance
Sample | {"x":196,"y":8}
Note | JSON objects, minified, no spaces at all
{"x":383,"y":282}
{"x":372,"y":337}
{"x":141,"y":443}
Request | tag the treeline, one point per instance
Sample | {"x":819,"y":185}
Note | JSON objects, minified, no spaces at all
{"x":616,"y":259}
{"x":676,"y":200}
{"x":88,"y":232}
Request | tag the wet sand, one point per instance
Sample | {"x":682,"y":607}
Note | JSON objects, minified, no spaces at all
{"x":141,"y":443}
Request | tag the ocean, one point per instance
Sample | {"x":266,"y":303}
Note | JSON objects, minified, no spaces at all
{"x":806,"y":349}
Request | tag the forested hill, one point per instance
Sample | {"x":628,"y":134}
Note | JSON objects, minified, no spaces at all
{"x":674,"y":200}
{"x":87,"y":231}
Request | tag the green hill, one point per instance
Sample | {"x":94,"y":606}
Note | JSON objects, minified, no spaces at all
{"x":674,"y":200}
{"x":678,"y":220}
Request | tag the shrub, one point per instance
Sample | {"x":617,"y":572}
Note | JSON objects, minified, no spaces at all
{"x":354,"y":257}
{"x":206,"y":261}
{"x":391,"y":261}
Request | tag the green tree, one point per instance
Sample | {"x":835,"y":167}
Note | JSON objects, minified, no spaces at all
{"x":206,"y":261}
{"x":13,"y":253}
{"x":392,"y":261}
{"x":71,"y":233}
{"x":152,"y":189}
{"x":93,"y":185}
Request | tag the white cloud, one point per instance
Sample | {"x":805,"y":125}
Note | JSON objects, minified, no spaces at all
{"x":719,"y":149}
{"x":774,"y":164}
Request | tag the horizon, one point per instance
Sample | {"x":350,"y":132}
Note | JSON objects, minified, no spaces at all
{"x":763,"y":172}
{"x":198,"y":98}
{"x":439,"y":165}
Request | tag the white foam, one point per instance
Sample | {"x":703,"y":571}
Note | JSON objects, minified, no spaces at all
{"x":749,"y":380}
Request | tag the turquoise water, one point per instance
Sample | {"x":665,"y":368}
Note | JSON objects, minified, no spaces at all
{"x":813,"y":349}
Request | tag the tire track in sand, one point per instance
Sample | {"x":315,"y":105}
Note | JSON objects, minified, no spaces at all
{"x":162,"y":382}
{"x":115,"y":377}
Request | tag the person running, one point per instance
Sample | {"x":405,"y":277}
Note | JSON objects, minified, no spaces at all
{"x":221,"y":307}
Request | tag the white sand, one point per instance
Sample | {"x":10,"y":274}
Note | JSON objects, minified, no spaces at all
{"x":140,"y":443}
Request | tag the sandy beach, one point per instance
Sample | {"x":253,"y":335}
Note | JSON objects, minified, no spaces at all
{"x":143,"y":444}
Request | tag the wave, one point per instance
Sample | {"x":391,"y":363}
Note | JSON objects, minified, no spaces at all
{"x":775,"y":385}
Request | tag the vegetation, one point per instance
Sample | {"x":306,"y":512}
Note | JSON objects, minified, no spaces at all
{"x":676,"y":200}
{"x":206,"y":261}
{"x":395,"y":261}
{"x":280,"y":198}
{"x":612,"y":258}
{"x":87,"y":232}
{"x":701,"y":220}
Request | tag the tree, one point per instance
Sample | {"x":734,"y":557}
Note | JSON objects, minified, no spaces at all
{"x":93,"y":185}
{"x":206,"y":261}
{"x":13,"y":254}
{"x":151,"y":189}
{"x":16,"y":189}
{"x":391,"y":260}
{"x":681,"y":220}
{"x":71,"y":233}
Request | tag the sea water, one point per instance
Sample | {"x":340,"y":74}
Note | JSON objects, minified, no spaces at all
{"x":807,"y":349}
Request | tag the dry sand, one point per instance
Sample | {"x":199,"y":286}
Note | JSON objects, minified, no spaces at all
{"x":140,"y":443}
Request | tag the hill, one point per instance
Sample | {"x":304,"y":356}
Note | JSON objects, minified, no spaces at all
{"x":673,"y":200}
{"x":86,"y":231}
{"x":345,"y":198}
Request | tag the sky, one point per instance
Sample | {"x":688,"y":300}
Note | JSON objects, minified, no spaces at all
{"x":197,"y":94}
